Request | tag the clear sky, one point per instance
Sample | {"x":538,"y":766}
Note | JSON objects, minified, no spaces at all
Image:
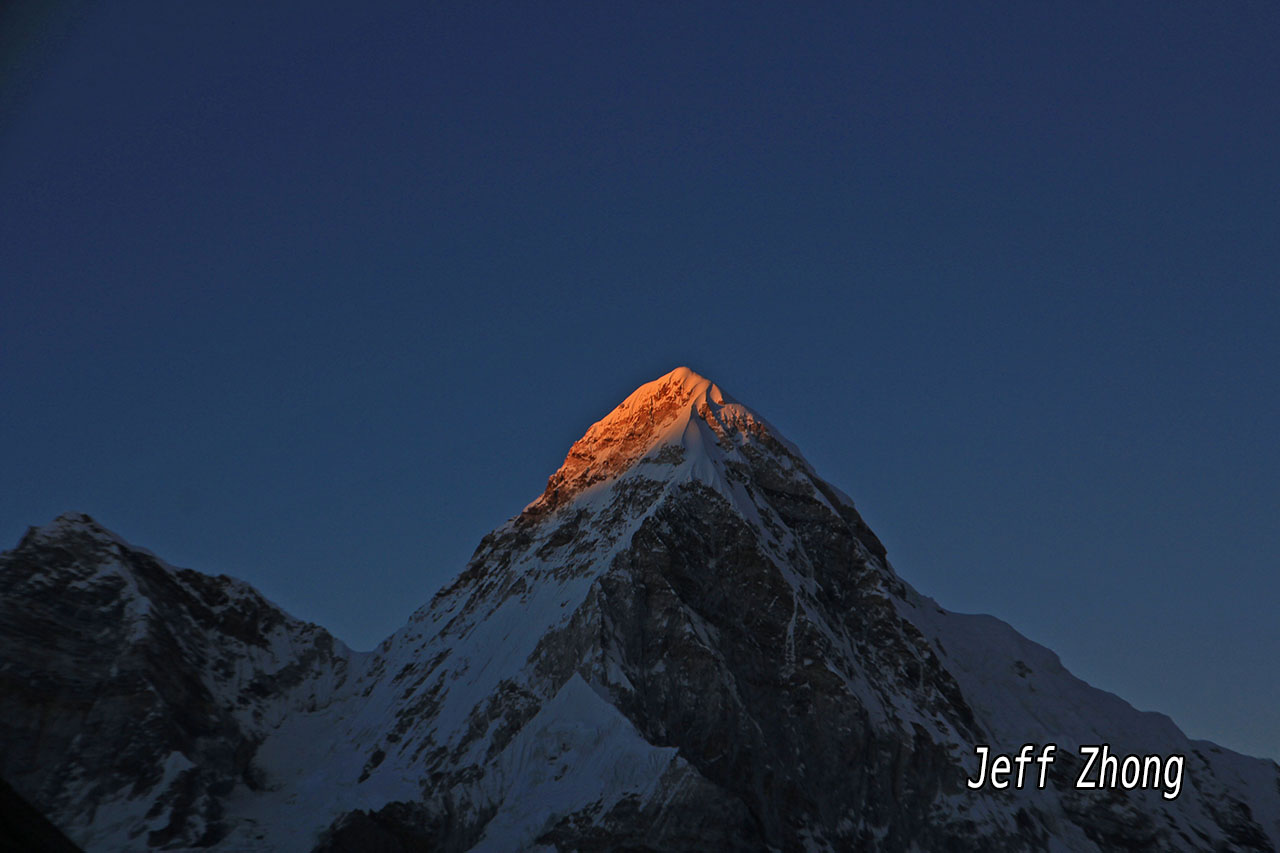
{"x":317,"y":294}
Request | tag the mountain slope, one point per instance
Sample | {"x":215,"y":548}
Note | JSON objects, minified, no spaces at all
{"x":689,"y":641}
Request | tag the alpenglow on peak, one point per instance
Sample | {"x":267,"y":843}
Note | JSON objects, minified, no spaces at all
{"x":681,"y":417}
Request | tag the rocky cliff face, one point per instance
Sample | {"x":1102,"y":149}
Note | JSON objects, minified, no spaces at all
{"x":689,"y":641}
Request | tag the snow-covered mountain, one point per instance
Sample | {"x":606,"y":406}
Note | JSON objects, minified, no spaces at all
{"x":689,"y":641}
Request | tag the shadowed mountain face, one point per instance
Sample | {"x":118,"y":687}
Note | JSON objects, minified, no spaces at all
{"x":23,"y":827}
{"x":689,"y":641}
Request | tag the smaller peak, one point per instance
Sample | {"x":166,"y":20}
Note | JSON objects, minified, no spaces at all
{"x":75,"y":519}
{"x":71,"y":524}
{"x":81,"y":521}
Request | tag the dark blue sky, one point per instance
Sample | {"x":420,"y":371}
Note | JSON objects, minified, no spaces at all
{"x":317,"y":295}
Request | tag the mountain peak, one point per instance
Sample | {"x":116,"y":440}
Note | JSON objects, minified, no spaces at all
{"x":680,"y":418}
{"x":681,"y":384}
{"x":654,"y":404}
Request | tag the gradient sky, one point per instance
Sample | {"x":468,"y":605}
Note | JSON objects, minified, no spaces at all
{"x":315,"y":295}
